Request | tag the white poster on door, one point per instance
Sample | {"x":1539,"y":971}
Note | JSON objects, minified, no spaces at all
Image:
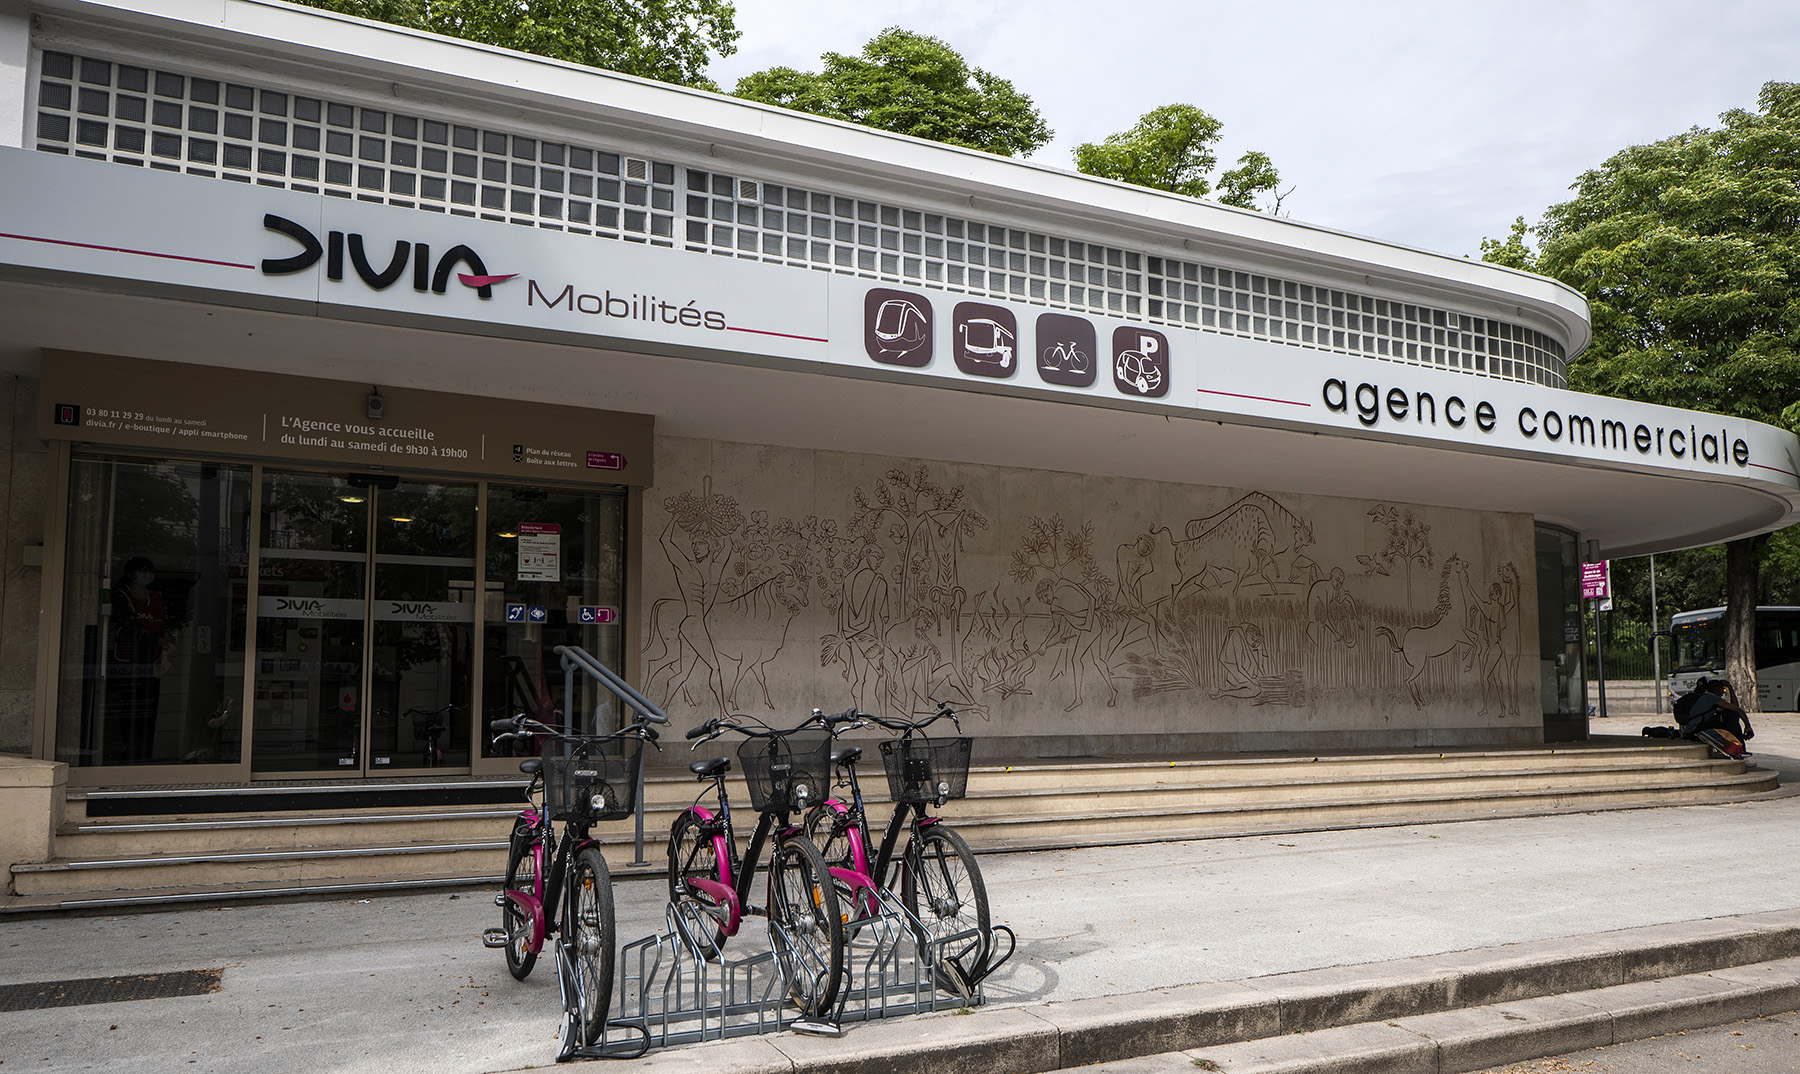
{"x":540,"y":552}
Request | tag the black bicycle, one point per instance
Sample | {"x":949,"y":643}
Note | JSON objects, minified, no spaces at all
{"x":786,"y":771}
{"x":583,"y":780}
{"x":940,"y":880}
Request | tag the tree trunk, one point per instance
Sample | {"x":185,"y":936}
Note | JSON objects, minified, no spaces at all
{"x":1742,"y":559}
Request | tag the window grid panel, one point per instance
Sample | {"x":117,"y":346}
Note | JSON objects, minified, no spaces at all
{"x":176,"y":121}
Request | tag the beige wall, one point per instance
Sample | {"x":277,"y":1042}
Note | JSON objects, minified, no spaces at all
{"x":24,"y":465}
{"x":1085,"y":614}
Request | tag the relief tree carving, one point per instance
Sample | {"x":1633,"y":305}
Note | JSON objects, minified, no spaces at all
{"x":1237,"y":608}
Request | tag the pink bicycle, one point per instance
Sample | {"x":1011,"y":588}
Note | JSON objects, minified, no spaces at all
{"x":583,"y":780}
{"x":785,"y":770}
{"x":940,"y":881}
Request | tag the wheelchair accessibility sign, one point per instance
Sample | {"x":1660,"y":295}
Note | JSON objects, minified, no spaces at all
{"x":596,"y":614}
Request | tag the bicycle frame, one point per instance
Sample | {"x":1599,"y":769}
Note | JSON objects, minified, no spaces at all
{"x":863,"y":880}
{"x":732,"y":891}
{"x":550,"y":858}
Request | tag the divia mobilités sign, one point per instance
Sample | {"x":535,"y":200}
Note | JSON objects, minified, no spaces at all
{"x":322,"y":256}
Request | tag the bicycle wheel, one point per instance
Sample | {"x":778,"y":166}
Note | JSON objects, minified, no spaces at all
{"x":943,"y":889}
{"x":693,"y":852}
{"x":806,"y":929}
{"x":588,"y":934}
{"x":521,"y":876}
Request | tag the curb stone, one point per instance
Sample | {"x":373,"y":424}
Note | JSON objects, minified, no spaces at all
{"x":1437,"y":1014}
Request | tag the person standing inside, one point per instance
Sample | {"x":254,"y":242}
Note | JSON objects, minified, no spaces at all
{"x":134,"y":679}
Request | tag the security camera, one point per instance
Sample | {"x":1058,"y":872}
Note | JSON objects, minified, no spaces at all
{"x":375,"y":406}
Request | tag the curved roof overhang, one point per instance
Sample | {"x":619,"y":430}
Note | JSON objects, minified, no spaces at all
{"x":1630,"y":509}
{"x":1237,"y":413}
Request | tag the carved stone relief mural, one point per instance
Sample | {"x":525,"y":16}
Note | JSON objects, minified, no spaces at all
{"x":920,"y":588}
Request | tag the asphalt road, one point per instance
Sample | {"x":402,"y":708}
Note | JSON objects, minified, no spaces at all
{"x":353,"y":985}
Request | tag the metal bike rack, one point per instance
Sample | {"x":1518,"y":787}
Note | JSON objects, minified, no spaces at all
{"x":669,"y":993}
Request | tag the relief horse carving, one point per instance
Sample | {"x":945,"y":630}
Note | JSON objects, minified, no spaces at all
{"x":1443,"y":636}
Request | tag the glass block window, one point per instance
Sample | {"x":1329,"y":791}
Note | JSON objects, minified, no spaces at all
{"x":186,"y":122}
{"x":1270,"y":308}
{"x":181,"y":122}
{"x":735,"y":216}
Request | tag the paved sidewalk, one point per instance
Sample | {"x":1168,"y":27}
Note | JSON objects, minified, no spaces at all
{"x":370,"y":985}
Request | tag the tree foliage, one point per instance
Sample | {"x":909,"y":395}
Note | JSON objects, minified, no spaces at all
{"x":908,"y":83}
{"x":667,"y":40}
{"x":1513,"y":253}
{"x":1172,"y":148}
{"x":1688,"y":250}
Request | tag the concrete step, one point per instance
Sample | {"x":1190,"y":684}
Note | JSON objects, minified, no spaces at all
{"x":1025,"y":805}
{"x":1437,"y":1014}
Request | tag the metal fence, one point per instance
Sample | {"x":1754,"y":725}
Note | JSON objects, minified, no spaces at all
{"x":1627,"y":648}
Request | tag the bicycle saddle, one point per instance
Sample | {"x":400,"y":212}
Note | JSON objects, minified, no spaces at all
{"x":531,"y":766}
{"x":846,"y":755}
{"x":712,"y":766}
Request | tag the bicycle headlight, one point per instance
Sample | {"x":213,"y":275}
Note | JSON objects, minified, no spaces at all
{"x":800,"y":793}
{"x":598,"y":803}
{"x":943,"y":788}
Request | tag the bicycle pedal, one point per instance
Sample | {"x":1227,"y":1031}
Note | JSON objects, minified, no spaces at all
{"x":493,"y":938}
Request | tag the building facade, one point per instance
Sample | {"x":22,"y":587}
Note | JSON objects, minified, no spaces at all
{"x":352,"y":370}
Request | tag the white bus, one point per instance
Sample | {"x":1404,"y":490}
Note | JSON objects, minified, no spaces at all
{"x":1699,"y":644}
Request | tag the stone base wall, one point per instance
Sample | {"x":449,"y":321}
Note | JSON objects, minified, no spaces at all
{"x":1071,"y":615}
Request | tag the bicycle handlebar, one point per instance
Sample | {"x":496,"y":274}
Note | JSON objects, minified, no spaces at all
{"x":896,"y":723}
{"x":522,"y":726}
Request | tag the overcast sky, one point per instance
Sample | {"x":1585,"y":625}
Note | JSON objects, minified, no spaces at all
{"x":1432,"y":124}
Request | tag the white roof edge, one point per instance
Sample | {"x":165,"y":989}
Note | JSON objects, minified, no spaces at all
{"x":293,"y":29}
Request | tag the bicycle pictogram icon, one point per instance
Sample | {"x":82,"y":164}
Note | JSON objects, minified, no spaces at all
{"x":1065,"y":357}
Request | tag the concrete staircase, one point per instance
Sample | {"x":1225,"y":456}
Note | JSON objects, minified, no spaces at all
{"x":146,"y":847}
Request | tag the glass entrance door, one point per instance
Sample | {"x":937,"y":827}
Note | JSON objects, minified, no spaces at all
{"x":364,"y":625}
{"x":422,"y":626}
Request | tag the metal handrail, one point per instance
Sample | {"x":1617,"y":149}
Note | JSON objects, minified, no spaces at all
{"x":575,"y":657}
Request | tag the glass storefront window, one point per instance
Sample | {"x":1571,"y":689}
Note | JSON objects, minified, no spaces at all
{"x":1560,"y":636}
{"x":554,"y":576}
{"x":363,"y":628}
{"x":153,"y":626}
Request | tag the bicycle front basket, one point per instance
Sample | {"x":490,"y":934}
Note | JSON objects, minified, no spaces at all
{"x":807,"y":756}
{"x":915,"y":767}
{"x":576,"y":773}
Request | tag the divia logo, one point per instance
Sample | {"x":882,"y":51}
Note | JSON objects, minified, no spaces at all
{"x":401,"y":607}
{"x":425,"y":276}
{"x":304,"y":607}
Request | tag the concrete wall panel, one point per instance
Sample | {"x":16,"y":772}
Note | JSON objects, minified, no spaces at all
{"x":1077,"y":614}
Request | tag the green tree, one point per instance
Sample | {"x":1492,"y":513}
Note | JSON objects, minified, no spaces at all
{"x":1688,"y":251}
{"x":668,"y":40}
{"x":1513,"y":253}
{"x":908,"y":83}
{"x":1172,"y":148}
